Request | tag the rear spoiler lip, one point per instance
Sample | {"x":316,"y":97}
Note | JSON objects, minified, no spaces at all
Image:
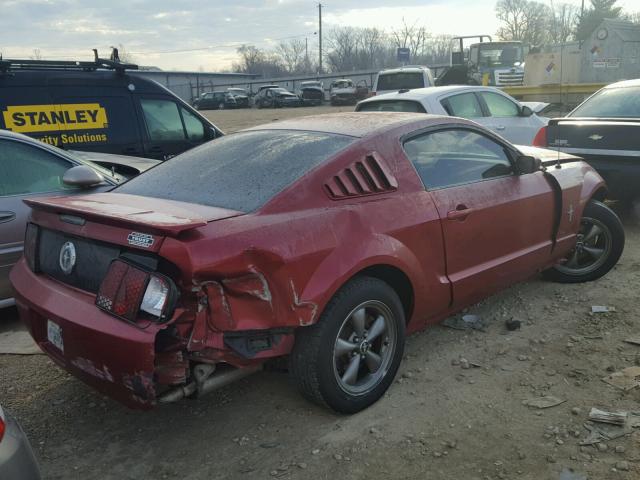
{"x":146,"y":220}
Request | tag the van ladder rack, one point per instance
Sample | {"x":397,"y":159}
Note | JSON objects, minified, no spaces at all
{"x":87,"y":66}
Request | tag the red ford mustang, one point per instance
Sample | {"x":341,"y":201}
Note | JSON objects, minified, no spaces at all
{"x":325,"y":239}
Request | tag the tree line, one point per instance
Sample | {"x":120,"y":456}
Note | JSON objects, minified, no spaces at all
{"x":350,"y":48}
{"x":346,"y":49}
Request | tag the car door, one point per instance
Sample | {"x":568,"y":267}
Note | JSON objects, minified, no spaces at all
{"x":25,"y":171}
{"x":464,"y":105}
{"x":497,"y":224}
{"x":505,"y":118}
{"x":170,"y":128}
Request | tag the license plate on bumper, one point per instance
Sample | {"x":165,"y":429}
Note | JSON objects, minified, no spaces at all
{"x":54,"y":335}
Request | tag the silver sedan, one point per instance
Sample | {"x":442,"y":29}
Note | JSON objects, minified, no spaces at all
{"x":17,"y":461}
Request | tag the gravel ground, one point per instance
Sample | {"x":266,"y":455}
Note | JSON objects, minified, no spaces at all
{"x":439,"y":420}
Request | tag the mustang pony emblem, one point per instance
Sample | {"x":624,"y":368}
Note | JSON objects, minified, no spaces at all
{"x":67,"y":258}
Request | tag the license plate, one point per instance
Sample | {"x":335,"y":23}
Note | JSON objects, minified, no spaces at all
{"x":54,"y":335}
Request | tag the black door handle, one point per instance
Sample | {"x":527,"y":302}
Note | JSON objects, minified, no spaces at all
{"x":7,"y":216}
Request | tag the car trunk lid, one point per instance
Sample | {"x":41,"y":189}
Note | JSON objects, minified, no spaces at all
{"x":593,"y":134}
{"x":159,"y":216}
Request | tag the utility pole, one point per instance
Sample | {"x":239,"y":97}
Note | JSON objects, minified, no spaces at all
{"x":306,"y":55}
{"x":319,"y":38}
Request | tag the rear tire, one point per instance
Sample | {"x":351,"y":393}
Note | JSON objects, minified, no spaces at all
{"x":599,"y":246}
{"x":348,"y":359}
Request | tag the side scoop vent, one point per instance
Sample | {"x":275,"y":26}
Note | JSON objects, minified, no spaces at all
{"x":364,"y":177}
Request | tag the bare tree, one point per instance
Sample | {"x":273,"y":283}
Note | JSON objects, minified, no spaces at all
{"x":523,"y":20}
{"x":292,"y":55}
{"x":563,"y":22}
{"x":37,"y":55}
{"x":413,"y":37}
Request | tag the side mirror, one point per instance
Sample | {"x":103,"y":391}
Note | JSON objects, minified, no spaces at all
{"x":526,"y":164}
{"x":525,"y":111}
{"x":82,"y":176}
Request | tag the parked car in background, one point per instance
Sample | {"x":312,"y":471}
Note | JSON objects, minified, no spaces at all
{"x":403,"y":78}
{"x":311,"y":93}
{"x":488,"y":106}
{"x":197,"y":272}
{"x":99,"y":107}
{"x":17,"y":460}
{"x":215,"y":101}
{"x":277,"y":97}
{"x":29,"y":168}
{"x":343,"y":92}
{"x":605,"y":131}
{"x":241,"y":97}
{"x":261,"y":88}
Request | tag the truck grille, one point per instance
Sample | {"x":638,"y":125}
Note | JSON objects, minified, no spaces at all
{"x":92,"y":259}
{"x":509,"y":78}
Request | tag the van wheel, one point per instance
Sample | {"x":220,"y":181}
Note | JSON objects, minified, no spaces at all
{"x":350,"y":357}
{"x":598,"y":247}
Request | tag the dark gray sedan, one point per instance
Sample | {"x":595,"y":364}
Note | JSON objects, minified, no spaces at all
{"x":30,"y":168}
{"x":17,"y":461}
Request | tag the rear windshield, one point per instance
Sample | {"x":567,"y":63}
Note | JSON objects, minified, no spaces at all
{"x":240,"y":171}
{"x":391,"y":106}
{"x":400,"y":80}
{"x":611,"y":102}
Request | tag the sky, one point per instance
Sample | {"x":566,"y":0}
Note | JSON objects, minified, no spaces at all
{"x":204,"y":34}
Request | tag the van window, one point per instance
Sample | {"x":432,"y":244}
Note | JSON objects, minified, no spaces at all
{"x":195,"y":128}
{"x":163,"y":120}
{"x":400,"y":80}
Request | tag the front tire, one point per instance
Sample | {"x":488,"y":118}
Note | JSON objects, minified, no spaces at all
{"x":599,"y":245}
{"x":348,"y":360}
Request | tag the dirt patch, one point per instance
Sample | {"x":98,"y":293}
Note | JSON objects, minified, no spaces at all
{"x":456,"y":411}
{"x":230,"y":121}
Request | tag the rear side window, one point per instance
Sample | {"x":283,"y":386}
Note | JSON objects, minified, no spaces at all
{"x":25,"y":170}
{"x":400,"y":80}
{"x":500,"y":106}
{"x":392,"y":106}
{"x":239,"y":172}
{"x":464,"y":105}
{"x":611,"y":102}
{"x":163,"y":120}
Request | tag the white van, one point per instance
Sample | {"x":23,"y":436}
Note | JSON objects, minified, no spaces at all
{"x":403,"y":78}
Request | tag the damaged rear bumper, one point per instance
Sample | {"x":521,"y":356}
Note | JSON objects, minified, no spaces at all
{"x":115,"y":357}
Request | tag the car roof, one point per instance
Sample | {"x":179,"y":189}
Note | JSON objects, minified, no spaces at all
{"x":419,"y":94}
{"x":358,"y":124}
{"x":408,"y":68}
{"x":625,"y":83}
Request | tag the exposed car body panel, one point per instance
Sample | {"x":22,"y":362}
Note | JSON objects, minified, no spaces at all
{"x":264,"y":274}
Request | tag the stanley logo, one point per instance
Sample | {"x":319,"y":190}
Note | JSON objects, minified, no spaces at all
{"x":48,"y":118}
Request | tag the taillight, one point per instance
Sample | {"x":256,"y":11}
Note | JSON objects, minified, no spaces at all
{"x":540,"y":140}
{"x":128,"y":290}
{"x":2,"y":424}
{"x":31,"y":246}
